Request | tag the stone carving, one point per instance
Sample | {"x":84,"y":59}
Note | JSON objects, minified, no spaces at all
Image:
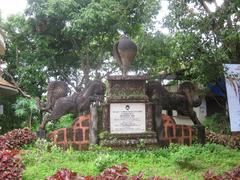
{"x":76,"y":103}
{"x":124,"y":51}
{"x":183,"y":101}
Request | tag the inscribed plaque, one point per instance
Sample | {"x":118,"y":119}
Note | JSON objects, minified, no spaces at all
{"x":127,"y":118}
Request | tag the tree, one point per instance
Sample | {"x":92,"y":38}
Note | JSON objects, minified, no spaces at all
{"x":26,"y":108}
{"x":23,"y":58}
{"x":153,"y":53}
{"x":70,"y":39}
{"x":204,"y":37}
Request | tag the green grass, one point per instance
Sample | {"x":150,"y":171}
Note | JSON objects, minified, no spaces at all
{"x":178,"y":162}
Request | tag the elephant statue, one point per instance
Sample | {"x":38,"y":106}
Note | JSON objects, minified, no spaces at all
{"x":183,"y":101}
{"x":75,"y":103}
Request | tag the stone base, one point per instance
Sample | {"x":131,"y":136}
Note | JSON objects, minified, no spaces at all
{"x":130,"y":140}
{"x":172,"y":133}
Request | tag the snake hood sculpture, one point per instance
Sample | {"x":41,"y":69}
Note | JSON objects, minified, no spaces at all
{"x":124,"y":51}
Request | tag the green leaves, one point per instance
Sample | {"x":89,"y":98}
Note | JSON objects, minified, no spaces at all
{"x":177,"y":161}
{"x":24,"y":105}
{"x":203,"y":38}
{"x":70,"y":38}
{"x":27,"y":109}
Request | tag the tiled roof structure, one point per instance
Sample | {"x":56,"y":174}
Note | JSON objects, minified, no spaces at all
{"x":6,"y":88}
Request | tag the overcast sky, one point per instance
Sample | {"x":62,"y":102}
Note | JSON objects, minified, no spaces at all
{"x":8,"y":7}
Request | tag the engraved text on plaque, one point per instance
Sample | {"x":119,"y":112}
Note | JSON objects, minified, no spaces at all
{"x":127,"y":118}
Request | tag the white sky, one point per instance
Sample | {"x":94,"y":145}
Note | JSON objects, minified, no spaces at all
{"x":8,"y":7}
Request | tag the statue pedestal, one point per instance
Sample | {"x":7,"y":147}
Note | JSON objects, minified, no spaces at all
{"x":127,"y":114}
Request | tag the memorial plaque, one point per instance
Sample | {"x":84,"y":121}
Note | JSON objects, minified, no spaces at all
{"x":127,"y":118}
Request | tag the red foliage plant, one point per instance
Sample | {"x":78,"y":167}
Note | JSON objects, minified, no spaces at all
{"x":63,"y":175}
{"x":118,"y":172}
{"x":11,"y":167}
{"x":226,"y":140}
{"x":16,"y":138}
{"x":233,"y":174}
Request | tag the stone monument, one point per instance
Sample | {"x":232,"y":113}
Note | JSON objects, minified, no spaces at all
{"x":127,"y":113}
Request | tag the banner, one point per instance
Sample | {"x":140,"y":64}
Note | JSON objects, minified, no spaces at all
{"x":232,"y":78}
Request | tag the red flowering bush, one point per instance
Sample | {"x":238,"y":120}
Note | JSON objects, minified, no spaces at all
{"x":16,"y":138}
{"x":11,"y":167}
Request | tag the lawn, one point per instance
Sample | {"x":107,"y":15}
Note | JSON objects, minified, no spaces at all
{"x":177,"y":162}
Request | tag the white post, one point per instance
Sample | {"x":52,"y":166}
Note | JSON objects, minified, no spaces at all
{"x":93,"y":125}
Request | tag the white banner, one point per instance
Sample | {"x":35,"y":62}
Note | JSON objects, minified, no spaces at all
{"x":232,"y":79}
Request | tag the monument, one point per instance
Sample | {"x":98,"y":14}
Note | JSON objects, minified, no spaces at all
{"x":131,"y":113}
{"x":127,"y":113}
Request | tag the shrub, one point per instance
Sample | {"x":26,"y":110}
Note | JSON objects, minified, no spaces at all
{"x":11,"y":167}
{"x":115,"y":172}
{"x":118,"y":172}
{"x":233,"y":174}
{"x":63,"y":122}
{"x":217,"y":123}
{"x":226,"y":140}
{"x":16,"y":138}
{"x":64,"y":174}
{"x":104,"y":160}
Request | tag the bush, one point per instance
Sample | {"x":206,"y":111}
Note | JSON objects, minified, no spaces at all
{"x":64,"y":174}
{"x":226,"y":140}
{"x":233,"y":174}
{"x":16,"y":138}
{"x":11,"y":167}
{"x":115,"y":172}
{"x":121,"y":172}
{"x":217,"y":123}
{"x":64,"y":122}
{"x":104,"y":160}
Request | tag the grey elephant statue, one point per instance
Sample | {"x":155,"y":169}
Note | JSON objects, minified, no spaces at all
{"x":184,"y":100}
{"x":76,"y":103}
